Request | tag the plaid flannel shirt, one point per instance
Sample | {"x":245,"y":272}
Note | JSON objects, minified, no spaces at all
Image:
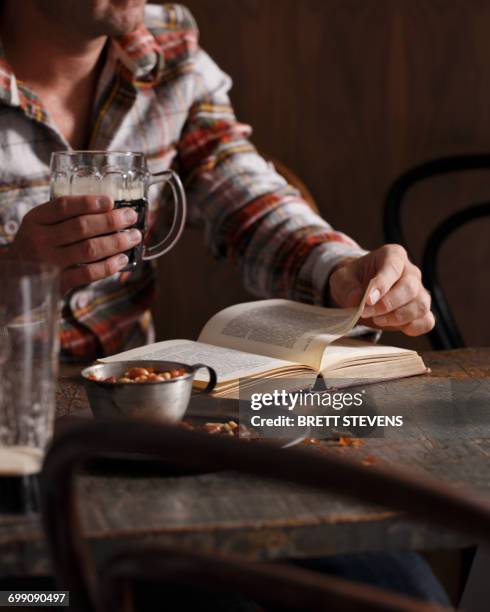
{"x":161,"y":94}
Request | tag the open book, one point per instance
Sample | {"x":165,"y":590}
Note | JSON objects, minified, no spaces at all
{"x":279,"y":339}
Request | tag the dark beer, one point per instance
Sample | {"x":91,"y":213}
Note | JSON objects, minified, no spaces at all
{"x":19,"y":494}
{"x":140,"y":206}
{"x":19,"y":479}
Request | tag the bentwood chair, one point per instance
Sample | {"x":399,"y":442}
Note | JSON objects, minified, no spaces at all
{"x":273,"y":585}
{"x":446,"y":334}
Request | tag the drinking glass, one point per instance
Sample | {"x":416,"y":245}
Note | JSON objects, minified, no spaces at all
{"x":124,"y":177}
{"x":29,"y":347}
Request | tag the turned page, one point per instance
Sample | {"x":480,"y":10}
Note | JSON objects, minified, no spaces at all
{"x":281,"y":329}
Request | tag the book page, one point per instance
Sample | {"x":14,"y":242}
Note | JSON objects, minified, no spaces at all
{"x":282,"y":329}
{"x":347,"y":351}
{"x":350,"y":361}
{"x":229,"y":364}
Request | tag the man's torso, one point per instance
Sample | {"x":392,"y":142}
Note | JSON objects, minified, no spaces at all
{"x":141,"y":103}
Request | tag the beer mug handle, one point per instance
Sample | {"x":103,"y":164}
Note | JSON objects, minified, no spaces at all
{"x":179,"y":217}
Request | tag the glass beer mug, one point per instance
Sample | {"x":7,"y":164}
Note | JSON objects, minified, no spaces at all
{"x":124,"y":177}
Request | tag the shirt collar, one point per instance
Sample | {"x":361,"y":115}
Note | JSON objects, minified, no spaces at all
{"x":14,"y":93}
{"x":9,"y":92}
{"x":139,"y":53}
{"x":141,"y":56}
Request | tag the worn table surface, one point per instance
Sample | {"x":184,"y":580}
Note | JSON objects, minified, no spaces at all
{"x":446,"y":434}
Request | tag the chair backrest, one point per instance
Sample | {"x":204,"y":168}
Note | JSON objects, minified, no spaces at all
{"x":422,"y":497}
{"x":446,"y":334}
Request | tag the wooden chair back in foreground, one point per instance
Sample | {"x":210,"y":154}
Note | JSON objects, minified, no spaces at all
{"x":446,"y":334}
{"x":425,"y":498}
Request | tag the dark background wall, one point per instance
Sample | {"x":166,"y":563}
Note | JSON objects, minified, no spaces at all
{"x":349,"y":93}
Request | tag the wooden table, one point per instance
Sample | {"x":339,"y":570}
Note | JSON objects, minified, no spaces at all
{"x":446,"y":434}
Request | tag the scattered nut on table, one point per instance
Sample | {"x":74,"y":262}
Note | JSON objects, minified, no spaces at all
{"x":231,"y":428}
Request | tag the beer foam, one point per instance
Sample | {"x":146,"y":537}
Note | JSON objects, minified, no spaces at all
{"x":20,"y":460}
{"x":89,"y":185}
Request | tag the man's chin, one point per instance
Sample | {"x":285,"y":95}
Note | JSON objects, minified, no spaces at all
{"x":118,"y":25}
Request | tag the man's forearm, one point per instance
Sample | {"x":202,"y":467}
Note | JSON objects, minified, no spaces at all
{"x":253,"y":217}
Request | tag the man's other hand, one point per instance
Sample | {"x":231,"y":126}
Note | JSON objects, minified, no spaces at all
{"x":397,"y":301}
{"x":79,"y":234}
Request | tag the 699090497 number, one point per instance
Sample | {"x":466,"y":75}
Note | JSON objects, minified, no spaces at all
{"x":34,"y":598}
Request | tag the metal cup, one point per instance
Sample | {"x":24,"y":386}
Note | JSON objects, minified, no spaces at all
{"x":164,"y":401}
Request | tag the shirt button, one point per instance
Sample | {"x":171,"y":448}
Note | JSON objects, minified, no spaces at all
{"x":11,"y":227}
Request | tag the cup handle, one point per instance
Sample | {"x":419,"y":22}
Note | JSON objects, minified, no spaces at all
{"x":179,"y":218}
{"x":213,"y":379}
